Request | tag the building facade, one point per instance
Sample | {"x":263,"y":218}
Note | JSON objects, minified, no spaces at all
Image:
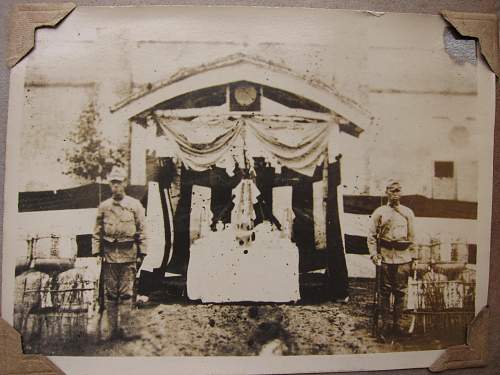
{"x":389,"y":114}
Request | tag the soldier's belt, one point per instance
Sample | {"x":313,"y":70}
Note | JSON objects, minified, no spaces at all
{"x":117,"y":243}
{"x":395,"y":245}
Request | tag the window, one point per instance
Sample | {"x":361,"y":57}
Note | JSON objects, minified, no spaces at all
{"x":84,"y":245}
{"x":443,"y":169}
{"x":54,"y":247}
{"x":454,"y":252}
{"x":472,"y":248}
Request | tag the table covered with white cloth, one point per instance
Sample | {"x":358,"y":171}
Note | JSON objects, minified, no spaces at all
{"x":265,"y":270}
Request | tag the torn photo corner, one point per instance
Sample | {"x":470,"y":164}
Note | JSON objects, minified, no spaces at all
{"x":245,"y":189}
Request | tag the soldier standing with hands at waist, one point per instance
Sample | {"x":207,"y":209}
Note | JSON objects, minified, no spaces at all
{"x":119,"y":239}
{"x":390,"y":243}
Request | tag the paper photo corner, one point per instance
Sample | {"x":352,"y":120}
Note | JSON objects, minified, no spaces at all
{"x":14,"y":361}
{"x":472,"y":354}
{"x":25,"y":19}
{"x":482,"y":26}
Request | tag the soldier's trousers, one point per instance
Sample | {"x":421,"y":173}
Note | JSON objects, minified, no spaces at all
{"x":395,"y":282}
{"x":119,"y":281}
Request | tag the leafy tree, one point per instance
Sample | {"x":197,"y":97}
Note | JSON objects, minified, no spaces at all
{"x":91,"y":156}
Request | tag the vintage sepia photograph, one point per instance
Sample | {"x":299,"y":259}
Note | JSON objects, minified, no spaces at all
{"x":236,"y":181}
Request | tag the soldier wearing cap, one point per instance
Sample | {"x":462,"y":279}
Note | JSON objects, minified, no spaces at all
{"x":119,"y":238}
{"x":390,"y":242}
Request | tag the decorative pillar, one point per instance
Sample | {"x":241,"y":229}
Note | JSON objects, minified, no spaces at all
{"x":137,"y":154}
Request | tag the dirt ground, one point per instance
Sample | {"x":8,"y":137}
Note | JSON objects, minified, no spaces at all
{"x":166,"y":328}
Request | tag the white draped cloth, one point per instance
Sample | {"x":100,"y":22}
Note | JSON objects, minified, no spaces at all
{"x":296,"y":145}
{"x":200,"y":143}
{"x":267,"y":270}
{"x":319,"y":214}
{"x":201,"y":215}
{"x":223,"y":266}
{"x":244,"y":197}
{"x":282,"y":208}
{"x":155,"y":229}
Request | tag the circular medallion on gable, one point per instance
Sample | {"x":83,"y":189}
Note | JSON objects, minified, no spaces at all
{"x":245,"y":94}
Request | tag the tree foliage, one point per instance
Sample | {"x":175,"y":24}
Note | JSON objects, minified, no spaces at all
{"x":91,"y":156}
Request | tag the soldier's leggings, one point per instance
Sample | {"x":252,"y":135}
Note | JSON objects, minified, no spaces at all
{"x":119,"y":280}
{"x":395,"y":281}
{"x":118,"y":292}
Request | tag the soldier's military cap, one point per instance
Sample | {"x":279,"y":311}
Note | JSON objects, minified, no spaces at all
{"x":117,"y":174}
{"x":393,"y":184}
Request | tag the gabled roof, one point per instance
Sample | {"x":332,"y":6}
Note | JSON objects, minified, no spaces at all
{"x":257,"y":62}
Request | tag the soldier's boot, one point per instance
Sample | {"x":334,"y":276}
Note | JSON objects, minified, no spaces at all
{"x":111,"y":309}
{"x":126,"y":330}
{"x":397,"y":329}
{"x":385,"y":333}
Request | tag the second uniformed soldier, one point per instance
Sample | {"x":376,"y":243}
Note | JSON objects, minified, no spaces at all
{"x":119,"y":238}
{"x":390,"y":241}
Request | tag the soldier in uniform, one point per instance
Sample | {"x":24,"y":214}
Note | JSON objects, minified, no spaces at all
{"x":390,"y":242}
{"x":119,"y":238}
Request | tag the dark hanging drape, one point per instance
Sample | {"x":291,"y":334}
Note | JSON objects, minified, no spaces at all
{"x":303,"y":227}
{"x":336,"y":263}
{"x":264,"y":180}
{"x":162,"y":171}
{"x":303,"y":224}
{"x":165,"y":177}
{"x":180,"y":256}
{"x":221,"y":206}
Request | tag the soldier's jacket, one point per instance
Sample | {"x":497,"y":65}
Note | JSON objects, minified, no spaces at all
{"x":391,"y":225}
{"x":119,"y":229}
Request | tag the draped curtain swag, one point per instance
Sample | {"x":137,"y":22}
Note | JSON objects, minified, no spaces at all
{"x":200,"y":143}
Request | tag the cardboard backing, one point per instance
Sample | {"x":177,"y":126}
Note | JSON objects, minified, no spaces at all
{"x":26,"y":18}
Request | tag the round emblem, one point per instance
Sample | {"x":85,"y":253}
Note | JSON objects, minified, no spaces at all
{"x":245,"y":95}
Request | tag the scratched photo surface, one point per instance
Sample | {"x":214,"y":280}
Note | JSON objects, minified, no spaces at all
{"x":295,"y":184}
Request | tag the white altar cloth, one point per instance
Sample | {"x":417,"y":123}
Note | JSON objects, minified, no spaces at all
{"x":267,"y":270}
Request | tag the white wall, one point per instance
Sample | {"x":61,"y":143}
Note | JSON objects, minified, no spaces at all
{"x":63,"y":223}
{"x":418,"y":95}
{"x":51,"y":112}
